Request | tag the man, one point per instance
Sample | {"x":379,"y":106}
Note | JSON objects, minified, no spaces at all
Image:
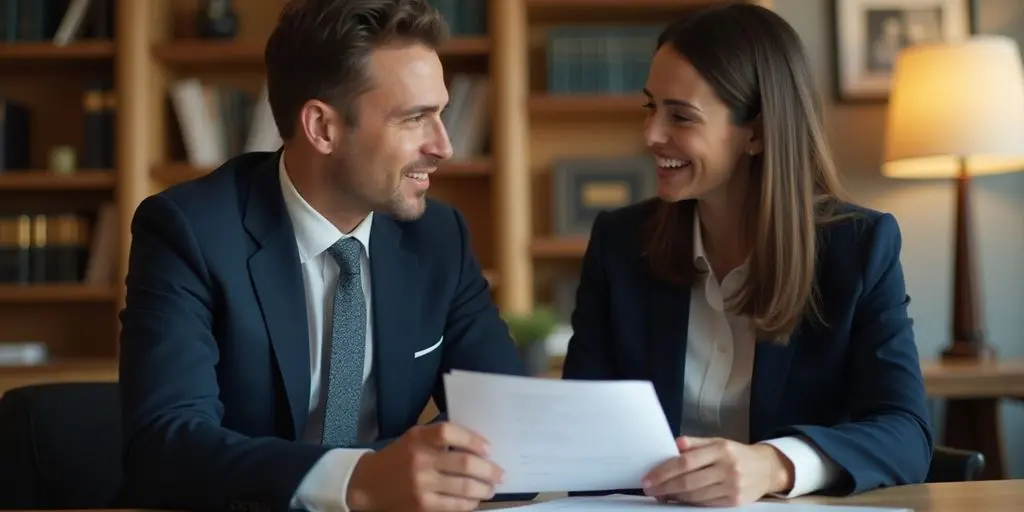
{"x":289,"y":316}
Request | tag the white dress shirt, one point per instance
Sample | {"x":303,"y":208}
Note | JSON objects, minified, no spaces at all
{"x":719,"y":366}
{"x":325,"y":487}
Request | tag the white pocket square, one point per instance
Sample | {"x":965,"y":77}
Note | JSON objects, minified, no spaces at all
{"x":429,"y":349}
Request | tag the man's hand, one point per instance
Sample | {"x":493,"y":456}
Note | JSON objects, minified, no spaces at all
{"x":437,"y":467}
{"x":719,"y":472}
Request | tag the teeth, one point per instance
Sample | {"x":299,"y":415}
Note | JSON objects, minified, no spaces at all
{"x":671,"y":162}
{"x":418,"y":176}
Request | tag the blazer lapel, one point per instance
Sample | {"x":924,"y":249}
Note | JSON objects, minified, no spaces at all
{"x":668,"y":315}
{"x":396,"y":306}
{"x":771,"y":367}
{"x":277,"y":279}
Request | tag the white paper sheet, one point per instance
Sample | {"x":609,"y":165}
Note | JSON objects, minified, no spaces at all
{"x":621,"y":503}
{"x":563,"y":435}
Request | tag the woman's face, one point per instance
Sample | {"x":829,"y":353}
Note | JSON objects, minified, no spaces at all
{"x":688,"y":128}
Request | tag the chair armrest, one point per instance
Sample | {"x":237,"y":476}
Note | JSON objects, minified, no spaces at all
{"x":955,"y":465}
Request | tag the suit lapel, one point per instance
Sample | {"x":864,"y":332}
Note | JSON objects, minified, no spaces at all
{"x":771,"y":367}
{"x":396,"y":306}
{"x":276,"y":275}
{"x":668,"y":315}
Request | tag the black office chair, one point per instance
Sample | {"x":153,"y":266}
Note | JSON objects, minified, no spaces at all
{"x":60,"y":446}
{"x":955,"y":465}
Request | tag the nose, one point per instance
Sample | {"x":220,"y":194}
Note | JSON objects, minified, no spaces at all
{"x":440,"y":145}
{"x":654,"y":131}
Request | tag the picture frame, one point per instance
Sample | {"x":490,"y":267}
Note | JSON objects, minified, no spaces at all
{"x":1000,"y":17}
{"x":585,"y":186}
{"x":870,"y":33}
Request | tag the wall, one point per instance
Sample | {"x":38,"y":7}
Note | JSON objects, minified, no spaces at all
{"x":925,"y":209}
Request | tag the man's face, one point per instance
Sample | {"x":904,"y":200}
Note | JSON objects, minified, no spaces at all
{"x":385,"y":161}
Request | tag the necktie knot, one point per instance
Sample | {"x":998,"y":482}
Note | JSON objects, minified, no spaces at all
{"x":346,"y":253}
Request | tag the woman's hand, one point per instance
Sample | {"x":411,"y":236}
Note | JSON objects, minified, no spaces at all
{"x":719,"y":472}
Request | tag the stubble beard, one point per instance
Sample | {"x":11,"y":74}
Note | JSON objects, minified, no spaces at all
{"x":404,"y":209}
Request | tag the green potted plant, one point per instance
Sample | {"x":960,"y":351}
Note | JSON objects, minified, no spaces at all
{"x":530,"y":332}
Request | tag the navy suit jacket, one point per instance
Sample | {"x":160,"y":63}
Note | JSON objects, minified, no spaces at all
{"x":214,"y":347}
{"x":853,"y":388}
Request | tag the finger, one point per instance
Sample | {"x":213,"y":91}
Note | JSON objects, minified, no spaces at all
{"x":435,"y":501}
{"x":689,"y":482}
{"x":692,"y":460}
{"x":688,"y":443}
{"x":450,"y":435}
{"x":722,"y":497}
{"x":716,"y":495}
{"x":465,"y":464}
{"x":464,"y":487}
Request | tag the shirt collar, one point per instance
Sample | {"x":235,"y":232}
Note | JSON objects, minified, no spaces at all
{"x":314,"y":234}
{"x":700,"y":255}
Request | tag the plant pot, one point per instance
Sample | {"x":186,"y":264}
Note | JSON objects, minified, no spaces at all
{"x":535,"y":357}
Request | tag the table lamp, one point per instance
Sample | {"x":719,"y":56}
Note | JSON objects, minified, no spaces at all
{"x":956,"y":110}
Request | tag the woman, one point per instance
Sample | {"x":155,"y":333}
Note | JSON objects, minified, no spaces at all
{"x":770,"y":315}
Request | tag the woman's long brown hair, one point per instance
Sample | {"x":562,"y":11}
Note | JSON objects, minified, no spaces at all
{"x":757,"y":65}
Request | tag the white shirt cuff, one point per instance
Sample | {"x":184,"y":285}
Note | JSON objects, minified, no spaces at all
{"x":812,"y":470}
{"x":325,"y":487}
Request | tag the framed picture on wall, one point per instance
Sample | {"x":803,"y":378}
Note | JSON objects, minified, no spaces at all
{"x":870,"y":33}
{"x":1001,"y":17}
{"x":586,"y":185}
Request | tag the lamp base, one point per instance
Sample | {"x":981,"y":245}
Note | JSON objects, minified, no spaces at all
{"x":969,"y":350}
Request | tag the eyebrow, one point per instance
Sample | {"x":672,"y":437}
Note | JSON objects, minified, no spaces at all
{"x":417,"y":109}
{"x":674,"y":102}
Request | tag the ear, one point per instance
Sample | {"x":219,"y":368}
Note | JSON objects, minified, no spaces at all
{"x":320,"y":124}
{"x":756,"y":143}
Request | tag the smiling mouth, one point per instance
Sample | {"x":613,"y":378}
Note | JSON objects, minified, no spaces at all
{"x":672,"y":163}
{"x":418,"y":176}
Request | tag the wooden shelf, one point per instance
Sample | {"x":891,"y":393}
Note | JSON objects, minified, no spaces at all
{"x":467,"y":46}
{"x":632,"y":5}
{"x":560,"y":104}
{"x":199,"y":51}
{"x":177,"y":172}
{"x":48,"y":293}
{"x":657,"y":11}
{"x":467,"y":168}
{"x":50,"y":53}
{"x":202,"y":52}
{"x":559,"y":248}
{"x":38,"y":180}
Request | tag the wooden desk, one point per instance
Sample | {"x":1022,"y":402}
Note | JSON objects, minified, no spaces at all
{"x":972,"y":390}
{"x":988,"y":496}
{"x":974,"y":379}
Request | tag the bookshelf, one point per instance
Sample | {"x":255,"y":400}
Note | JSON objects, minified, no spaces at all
{"x":503,"y":188}
{"x":58,"y":101}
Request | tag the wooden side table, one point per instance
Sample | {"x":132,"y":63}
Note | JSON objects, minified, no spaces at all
{"x":973,"y":391}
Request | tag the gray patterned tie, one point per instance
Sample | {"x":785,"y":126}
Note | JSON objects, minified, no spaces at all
{"x":348,"y":345}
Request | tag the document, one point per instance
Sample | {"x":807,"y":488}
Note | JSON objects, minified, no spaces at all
{"x":623,"y":503}
{"x":563,"y":435}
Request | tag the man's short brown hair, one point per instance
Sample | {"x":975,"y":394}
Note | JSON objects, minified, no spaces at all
{"x":320,"y":49}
